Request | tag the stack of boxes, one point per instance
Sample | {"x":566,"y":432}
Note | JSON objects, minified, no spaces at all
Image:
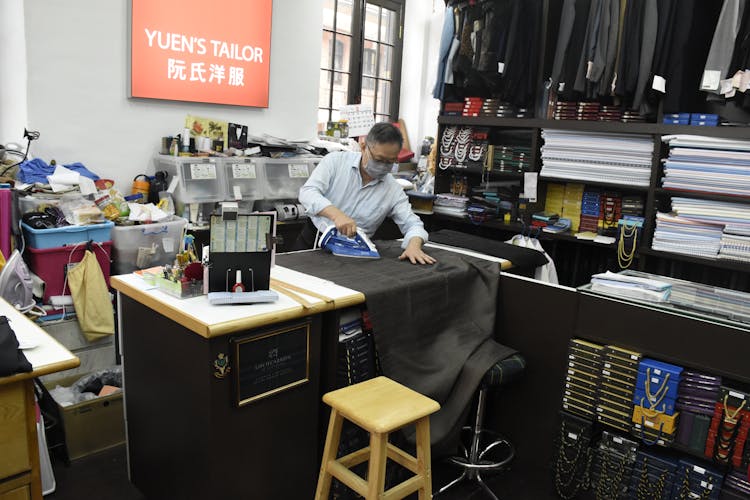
{"x":654,"y":476}
{"x":582,"y":378}
{"x":654,"y":415}
{"x":696,"y":400}
{"x":590,"y":210}
{"x":472,"y":106}
{"x":615,"y":403}
{"x":695,"y":480}
{"x":697,"y":119}
{"x":730,"y":424}
{"x":612,"y":466}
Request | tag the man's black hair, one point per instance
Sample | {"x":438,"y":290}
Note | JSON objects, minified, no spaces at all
{"x":385,"y":133}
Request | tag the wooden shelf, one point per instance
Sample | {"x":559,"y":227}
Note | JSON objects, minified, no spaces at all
{"x":703,"y":196}
{"x":597,"y":126}
{"x":720,"y":264}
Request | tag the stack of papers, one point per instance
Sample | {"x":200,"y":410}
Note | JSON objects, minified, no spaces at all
{"x":612,"y":158}
{"x":711,"y":165}
{"x":684,"y":236}
{"x":634,"y":287}
{"x":450,"y":204}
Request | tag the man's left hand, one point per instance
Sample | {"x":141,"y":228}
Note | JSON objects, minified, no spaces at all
{"x":415,"y":254}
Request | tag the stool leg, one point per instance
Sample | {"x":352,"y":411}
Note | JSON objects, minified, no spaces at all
{"x":424,"y":460}
{"x":329,"y":454}
{"x":376,"y":471}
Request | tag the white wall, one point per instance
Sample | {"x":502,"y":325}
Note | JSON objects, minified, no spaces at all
{"x":77,"y":88}
{"x":423,"y":23}
{"x":13,"y":116}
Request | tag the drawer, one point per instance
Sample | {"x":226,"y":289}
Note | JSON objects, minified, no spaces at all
{"x":19,"y":493}
{"x":14,"y":432}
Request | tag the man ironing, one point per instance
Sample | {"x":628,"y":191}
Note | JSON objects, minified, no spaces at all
{"x":355,"y":190}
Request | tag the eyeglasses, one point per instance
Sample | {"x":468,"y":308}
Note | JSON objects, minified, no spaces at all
{"x":382,"y":160}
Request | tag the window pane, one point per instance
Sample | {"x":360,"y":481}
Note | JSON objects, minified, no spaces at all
{"x":368,"y":91}
{"x":371,"y":22}
{"x":329,"y":7}
{"x":386,"y":62}
{"x":382,"y":118}
{"x":384,"y":97}
{"x":344,"y":17}
{"x":324,"y":93}
{"x":388,"y":26}
{"x":326,"y":51}
{"x":341,"y":52}
{"x":370,"y":59}
{"x":322,"y":119}
{"x":335,"y":115}
{"x":340,"y":89}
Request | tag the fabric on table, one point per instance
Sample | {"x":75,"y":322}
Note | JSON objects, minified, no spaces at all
{"x":12,"y":359}
{"x":433,"y":325}
{"x":520,"y":257}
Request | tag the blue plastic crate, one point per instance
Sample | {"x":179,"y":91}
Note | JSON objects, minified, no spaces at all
{"x":67,"y":235}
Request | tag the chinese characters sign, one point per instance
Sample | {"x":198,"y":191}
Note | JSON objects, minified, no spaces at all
{"x":189,"y":50}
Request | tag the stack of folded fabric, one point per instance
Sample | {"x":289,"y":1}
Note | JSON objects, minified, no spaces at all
{"x":634,"y":287}
{"x":696,"y":399}
{"x":654,"y":415}
{"x":612,"y":158}
{"x":450,"y":204}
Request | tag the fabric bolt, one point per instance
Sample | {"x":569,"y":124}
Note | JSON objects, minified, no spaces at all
{"x":520,"y":257}
{"x":432,"y":325}
{"x":575,"y":46}
{"x":620,"y":34}
{"x":446,"y":40}
{"x":504,"y":17}
{"x":337,"y":181}
{"x":722,"y":45}
{"x":599,"y":57}
{"x":589,"y":45}
{"x":630,"y":50}
{"x":567,"y":19}
{"x":648,"y":43}
{"x":665,"y":35}
{"x":522,"y":59}
{"x":610,"y":55}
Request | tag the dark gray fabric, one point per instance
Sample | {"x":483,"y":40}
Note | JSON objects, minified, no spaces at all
{"x":433,"y":325}
{"x":567,"y":19}
{"x":648,"y":43}
{"x":524,"y":258}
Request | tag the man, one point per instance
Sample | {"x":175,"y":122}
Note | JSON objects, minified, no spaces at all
{"x":355,"y":189}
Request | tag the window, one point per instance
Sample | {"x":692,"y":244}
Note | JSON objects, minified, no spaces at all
{"x":361,"y":57}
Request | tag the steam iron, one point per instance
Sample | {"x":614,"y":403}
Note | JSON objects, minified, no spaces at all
{"x":358,"y":246}
{"x":16,"y":284}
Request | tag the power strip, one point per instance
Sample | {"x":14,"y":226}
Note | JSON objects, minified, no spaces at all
{"x":61,"y":300}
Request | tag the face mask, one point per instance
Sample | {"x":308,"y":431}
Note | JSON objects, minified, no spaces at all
{"x":377,"y":169}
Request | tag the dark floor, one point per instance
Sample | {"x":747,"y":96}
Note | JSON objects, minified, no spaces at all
{"x":104,"y":476}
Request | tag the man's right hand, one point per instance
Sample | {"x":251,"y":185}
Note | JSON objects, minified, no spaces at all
{"x":345,"y":225}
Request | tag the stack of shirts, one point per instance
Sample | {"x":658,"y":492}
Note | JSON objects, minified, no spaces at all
{"x":615,"y":402}
{"x":511,"y":158}
{"x":633,"y":287}
{"x":696,"y":399}
{"x":654,"y":476}
{"x":695,"y":480}
{"x":738,"y":483}
{"x":729,"y":428}
{"x":472,"y":106}
{"x":450,"y":204}
{"x":597,"y":157}
{"x":712,"y":166}
{"x":612,"y":466}
{"x":453,"y":108}
{"x":590,"y":210}
{"x":685,"y":236}
{"x":654,"y":415}
{"x":576,"y":111}
{"x":582,"y":379}
{"x":610,"y":114}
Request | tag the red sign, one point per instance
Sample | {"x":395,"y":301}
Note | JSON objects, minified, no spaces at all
{"x":191,"y":50}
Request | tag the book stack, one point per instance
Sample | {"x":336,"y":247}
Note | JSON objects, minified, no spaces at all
{"x":472,"y":106}
{"x":615,"y":400}
{"x":590,"y":210}
{"x":582,"y":378}
{"x":544,"y":219}
{"x":612,"y":466}
{"x":685,"y":236}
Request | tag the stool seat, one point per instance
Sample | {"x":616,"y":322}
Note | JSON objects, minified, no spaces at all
{"x":505,"y":371}
{"x":380,"y":404}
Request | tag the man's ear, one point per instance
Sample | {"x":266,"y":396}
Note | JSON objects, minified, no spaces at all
{"x":361,"y":140}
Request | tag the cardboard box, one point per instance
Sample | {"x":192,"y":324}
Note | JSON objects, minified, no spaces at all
{"x":94,"y":425}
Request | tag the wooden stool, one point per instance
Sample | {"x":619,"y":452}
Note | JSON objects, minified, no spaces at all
{"x":379,"y":406}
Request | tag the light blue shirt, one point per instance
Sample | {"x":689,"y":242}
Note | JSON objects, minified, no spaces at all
{"x":337,"y":181}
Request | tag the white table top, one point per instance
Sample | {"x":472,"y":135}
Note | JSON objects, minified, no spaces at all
{"x":45,"y":354}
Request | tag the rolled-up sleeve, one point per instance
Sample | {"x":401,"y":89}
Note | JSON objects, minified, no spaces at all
{"x":311,"y":194}
{"x":407,"y":221}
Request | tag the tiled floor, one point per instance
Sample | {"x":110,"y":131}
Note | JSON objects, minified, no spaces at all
{"x":104,"y":476}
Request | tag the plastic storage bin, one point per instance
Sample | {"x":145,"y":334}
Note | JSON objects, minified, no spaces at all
{"x":68,"y":235}
{"x":28,"y":204}
{"x":285,"y":176}
{"x":244,"y":178}
{"x":201,"y":179}
{"x":51,"y":264}
{"x":146,"y":245}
